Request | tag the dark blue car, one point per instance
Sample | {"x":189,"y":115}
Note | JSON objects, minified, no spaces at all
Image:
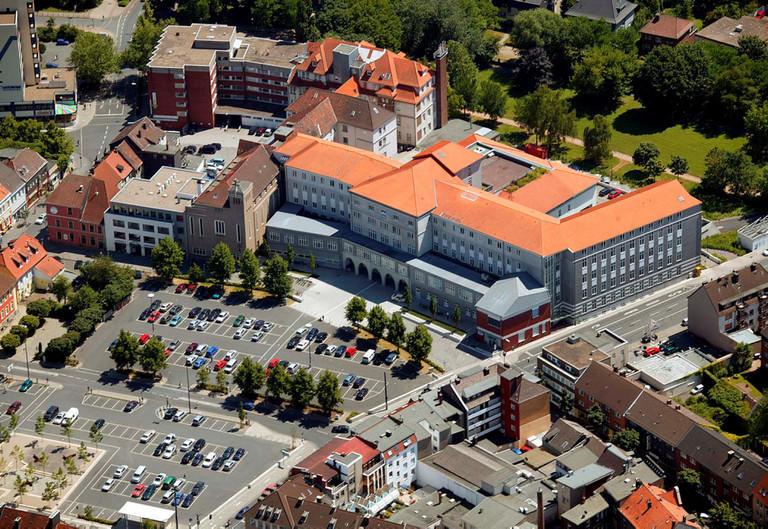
{"x":188,"y":500}
{"x":241,"y":513}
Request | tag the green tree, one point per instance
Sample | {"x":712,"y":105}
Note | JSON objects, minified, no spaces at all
{"x":146,"y":35}
{"x":242,"y":416}
{"x":566,"y":403}
{"x":95,"y":435}
{"x":264,"y":249}
{"x":20,"y":486}
{"x":221,"y":379}
{"x":546,"y":113}
{"x":312,"y":263}
{"x":433,"y":306}
{"x":678,"y":165}
{"x":377,"y":321}
{"x":754,"y":48}
{"x":722,"y":516}
{"x":462,"y":74}
{"x":82,"y":451}
{"x":689,"y":484}
{"x":195,"y":273}
{"x":30,"y":322}
{"x":61,"y":287}
{"x":277,"y":382}
{"x":628,"y":440}
{"x":152,"y":356}
{"x":276,"y":279}
{"x":456,"y":316}
{"x":94,"y":56}
{"x":757,"y":424}
{"x":13,"y":423}
{"x":125,"y":353}
{"x":83,"y":299}
{"x":306,"y":25}
{"x":355,"y":311}
{"x":647,"y":156}
{"x":407,"y":297}
{"x":167,"y":258}
{"x":39,"y":425}
{"x":729,"y":171}
{"x":396,"y":330}
{"x":20,"y":331}
{"x":727,"y":397}
{"x":597,"y":140}
{"x":203,"y":377}
{"x":41,"y":308}
{"x":301,"y":388}
{"x":42,"y":460}
{"x":5,"y":434}
{"x":533,"y":68}
{"x":250,"y":271}
{"x":66,"y":431}
{"x":742,"y":357}
{"x":70,"y":466}
{"x":17,"y":455}
{"x":249,"y":376}
{"x":373,"y":20}
{"x":540,"y":28}
{"x":275,"y":13}
{"x":290,"y":255}
{"x":595,"y":416}
{"x":456,"y":104}
{"x":328,"y":391}
{"x":49,"y":493}
{"x":9,"y":343}
{"x":60,"y":478}
{"x":419,"y":344}
{"x":756,"y":128}
{"x":604,"y":75}
{"x":221,"y":264}
{"x":492,"y":99}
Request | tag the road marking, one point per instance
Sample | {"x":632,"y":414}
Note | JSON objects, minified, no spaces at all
{"x":630,"y":312}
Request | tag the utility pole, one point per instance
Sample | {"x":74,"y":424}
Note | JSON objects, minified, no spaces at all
{"x":189,"y":399}
{"x":386,"y":398}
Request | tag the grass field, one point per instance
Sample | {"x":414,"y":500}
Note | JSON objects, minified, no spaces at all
{"x":728,"y":241}
{"x":632,"y":125}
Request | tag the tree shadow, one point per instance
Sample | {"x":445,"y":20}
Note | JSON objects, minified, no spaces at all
{"x":710,"y":129}
{"x":112,"y":377}
{"x":638,"y":121}
{"x":637,"y":178}
{"x":588,"y":107}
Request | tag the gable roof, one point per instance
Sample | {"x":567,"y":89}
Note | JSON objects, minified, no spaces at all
{"x":22,"y":255}
{"x":336,"y":108}
{"x":522,"y":389}
{"x":724,"y":30}
{"x":616,"y":392}
{"x":99,"y":193}
{"x":49,"y":266}
{"x":450,"y":155}
{"x":128,"y":154}
{"x":553,"y":188}
{"x":26,"y":163}
{"x":141,"y":134}
{"x":254,"y":166}
{"x":613,"y":11}
{"x":29,"y":520}
{"x":667,"y":27}
{"x":71,"y":192}
{"x":736,"y":285}
{"x":513,"y":295}
{"x":653,"y":507}
{"x":563,"y":435}
{"x":10,"y":179}
{"x":663,"y":421}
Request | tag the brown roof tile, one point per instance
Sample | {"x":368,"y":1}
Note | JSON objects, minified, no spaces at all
{"x":736,"y":285}
{"x":662,"y":420}
{"x":616,"y":392}
{"x":142,"y":134}
{"x":27,"y":163}
{"x":254,"y":166}
{"x":667,"y":27}
{"x":71,"y":192}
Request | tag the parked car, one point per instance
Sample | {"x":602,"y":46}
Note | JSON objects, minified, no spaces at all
{"x":176,"y":320}
{"x":239,"y":453}
{"x":248,"y":322}
{"x":615,"y":194}
{"x":26,"y":385}
{"x":201,"y":326}
{"x":340,"y":350}
{"x":303,"y":344}
{"x":268,"y":326}
{"x":143,"y":339}
{"x":138,"y":490}
{"x":650,"y":351}
{"x":198,"y":420}
{"x":200,"y":362}
{"x":194,"y":312}
{"x":41,"y":218}
{"x":148,"y":492}
{"x":130,"y":406}
{"x":697,"y":389}
{"x":358,"y":383}
{"x":349,"y":379}
{"x":207,"y":149}
{"x":238,"y":321}
{"x":50,"y":413}
{"x":222,"y":316}
{"x":257,"y":336}
{"x":321,"y":336}
{"x":13,"y":408}
{"x":293,"y":342}
{"x":240,"y":333}
{"x":342,"y":428}
{"x":147,"y":436}
{"x":181,"y":288}
{"x":120,"y":471}
{"x":390,"y":359}
{"x":191,"y":348}
{"x":361,"y":393}
{"x":169,"y":413}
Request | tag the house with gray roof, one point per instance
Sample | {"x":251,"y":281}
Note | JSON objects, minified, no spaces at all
{"x":617,"y":13}
{"x":580,"y":484}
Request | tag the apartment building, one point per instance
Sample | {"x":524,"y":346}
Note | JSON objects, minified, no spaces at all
{"x":524,"y":407}
{"x":438,"y":229}
{"x":142,"y":143}
{"x":29,"y":264}
{"x":235,"y":207}
{"x":648,"y":505}
{"x":615,"y":398}
{"x":720,"y":311}
{"x":344,"y":119}
{"x":145,"y":211}
{"x":393,"y":81}
{"x":34,"y":170}
{"x":562,"y":363}
{"x":398,"y":447}
{"x":15,"y":201}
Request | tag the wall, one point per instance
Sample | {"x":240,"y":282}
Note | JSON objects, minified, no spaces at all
{"x":515,"y":330}
{"x":429,"y":475}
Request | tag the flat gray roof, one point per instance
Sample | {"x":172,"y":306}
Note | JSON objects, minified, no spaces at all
{"x":455,"y":131}
{"x":450,"y":271}
{"x":287,"y":218}
{"x":585,"y":476}
{"x":170,"y":189}
{"x":667,"y":369}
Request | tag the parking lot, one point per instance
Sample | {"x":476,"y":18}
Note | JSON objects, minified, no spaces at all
{"x":272,"y":345}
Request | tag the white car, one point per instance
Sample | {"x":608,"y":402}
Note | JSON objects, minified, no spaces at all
{"x":178,"y":484}
{"x":230,"y":354}
{"x":302,"y":345}
{"x":331,"y":349}
{"x":209,"y":459}
{"x":159,"y":479}
{"x":120,"y":471}
{"x":107,"y":485}
{"x":292,"y":368}
{"x":228,"y":465}
{"x":170,"y":438}
{"x":765,"y":252}
{"x":230,"y":365}
{"x":179,"y":415}
{"x":202,"y":325}
{"x":698,"y":389}
{"x":148,"y":435}
{"x":248,"y":323}
{"x":186,"y":445}
{"x":202,"y":348}
{"x":59,"y":418}
{"x":221,"y":317}
{"x":257,"y":336}
{"x":165,"y":307}
{"x":41,"y":218}
{"x":239,"y":333}
{"x":169,"y":451}
{"x":268,"y":326}
{"x":191,"y":359}
{"x":192,"y":325}
{"x":301,"y":331}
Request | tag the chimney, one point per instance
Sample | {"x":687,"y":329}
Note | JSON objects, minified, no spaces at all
{"x":54,"y":519}
{"x":199,"y":187}
{"x":17,"y":523}
{"x":649,"y":503}
{"x":540,"y":509}
{"x":441,"y":84}
{"x":439,"y":397}
{"x":637,"y":483}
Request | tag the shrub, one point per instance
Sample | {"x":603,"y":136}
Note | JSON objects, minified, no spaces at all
{"x":20,"y":331}
{"x":10,"y":342}
{"x":31,"y":322}
{"x":42,"y":308}
{"x":82,"y":325}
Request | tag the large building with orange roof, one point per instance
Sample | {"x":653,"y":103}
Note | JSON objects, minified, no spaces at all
{"x":431,"y":224}
{"x":29,"y":264}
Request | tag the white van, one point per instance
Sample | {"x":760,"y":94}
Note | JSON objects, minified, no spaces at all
{"x":368,"y":356}
{"x":139,"y":474}
{"x":230,"y":365}
{"x":71,"y":416}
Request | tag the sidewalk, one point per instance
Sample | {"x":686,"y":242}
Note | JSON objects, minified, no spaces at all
{"x":576,"y":141}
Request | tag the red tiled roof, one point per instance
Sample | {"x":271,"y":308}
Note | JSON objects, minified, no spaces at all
{"x":99,"y":195}
{"x":667,"y":27}
{"x":316,"y":462}
{"x":127,"y":152}
{"x":553,"y":188}
{"x":653,"y":507}
{"x":22,"y":255}
{"x":49,"y":266}
{"x":71,"y":192}
{"x":142,"y":134}
{"x":254,"y":166}
{"x":113,"y":169}
{"x":760,"y":491}
{"x":29,"y":520}
{"x":450,"y":155}
{"x":26,"y":163}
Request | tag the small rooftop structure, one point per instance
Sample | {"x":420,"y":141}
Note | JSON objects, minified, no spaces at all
{"x":513,"y":295}
{"x":170,"y":189}
{"x":754,"y":235}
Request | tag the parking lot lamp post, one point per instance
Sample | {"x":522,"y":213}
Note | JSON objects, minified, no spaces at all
{"x":26,"y":353}
{"x":176,"y":508}
{"x":189,"y":399}
{"x":150,"y":296}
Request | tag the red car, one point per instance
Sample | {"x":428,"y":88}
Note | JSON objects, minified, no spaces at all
{"x":181,"y":288}
{"x":144,"y":339}
{"x":153,"y":317}
{"x":191,"y":348}
{"x":614,"y":194}
{"x":760,"y":13}
{"x":13,"y":408}
{"x":191,"y":287}
{"x":220,"y":365}
{"x":168,"y":352}
{"x":273,"y":363}
{"x":350,"y":352}
{"x":650,"y":351}
{"x":525,"y":449}
{"x":138,"y":491}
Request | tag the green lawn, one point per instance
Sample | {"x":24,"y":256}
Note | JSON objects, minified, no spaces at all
{"x":728,"y":241}
{"x":632,"y":125}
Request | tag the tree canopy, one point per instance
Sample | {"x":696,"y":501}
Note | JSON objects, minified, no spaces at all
{"x":94,"y":56}
{"x":221,"y":264}
{"x":167,"y":258}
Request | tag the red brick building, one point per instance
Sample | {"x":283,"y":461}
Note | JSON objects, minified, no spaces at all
{"x":664,"y":30}
{"x":615,"y":394}
{"x":515,"y":310}
{"x":524,"y":407}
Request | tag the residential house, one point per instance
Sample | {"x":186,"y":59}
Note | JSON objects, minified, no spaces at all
{"x":34,"y":170}
{"x":16,"y":200}
{"x":614,"y":394}
{"x":671,"y":375}
{"x":754,"y":236}
{"x":433,"y":432}
{"x":727,"y":31}
{"x":434,"y":509}
{"x":8,"y":304}
{"x":235,"y":207}
{"x":398,"y":448}
{"x":562,"y":363}
{"x":760,"y":502}
{"x":665,"y":30}
{"x":12,"y":517}
{"x":651,"y":506}
{"x":477,"y":393}
{"x":30,"y":265}
{"x":720,"y":309}
{"x":579,"y":484}
{"x":509,"y":8}
{"x":564,"y":436}
{"x":527,"y":505}
{"x":144,"y":141}
{"x":617,"y":13}
{"x":524,"y":407}
{"x":76,"y":207}
{"x":344,"y":119}
{"x":6,"y":216}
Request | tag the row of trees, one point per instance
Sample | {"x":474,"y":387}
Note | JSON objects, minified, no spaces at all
{"x":50,"y":141}
{"x":466,"y":91}
{"x":127,"y":352}
{"x":19,"y":333}
{"x":418,"y":342}
{"x":251,"y":376}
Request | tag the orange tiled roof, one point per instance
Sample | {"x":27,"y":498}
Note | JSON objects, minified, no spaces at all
{"x":651,"y":506}
{"x":553,"y":188}
{"x":451,"y":155}
{"x":22,"y":255}
{"x":350,"y":165}
{"x":414,"y":183}
{"x":350,"y":88}
{"x":49,"y":266}
{"x":113,"y":169}
{"x":3,"y":192}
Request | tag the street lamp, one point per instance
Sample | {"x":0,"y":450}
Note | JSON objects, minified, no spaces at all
{"x":189,"y":399}
{"x":26,"y":353}
{"x":150,"y":296}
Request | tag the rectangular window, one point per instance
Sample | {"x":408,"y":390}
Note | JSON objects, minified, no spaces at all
{"x":219,"y":227}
